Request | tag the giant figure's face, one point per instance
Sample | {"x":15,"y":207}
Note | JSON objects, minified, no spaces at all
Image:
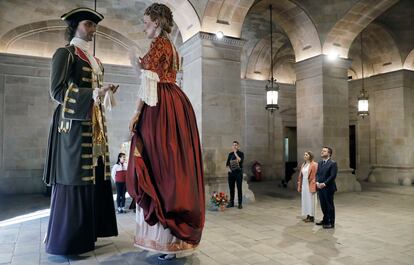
{"x":150,"y":27}
{"x":86,"y":30}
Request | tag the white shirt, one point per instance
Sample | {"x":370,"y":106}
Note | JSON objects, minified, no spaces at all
{"x":116,"y":168}
{"x":305,"y":171}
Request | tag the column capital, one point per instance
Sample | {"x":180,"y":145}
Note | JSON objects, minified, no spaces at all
{"x":322,"y":65}
{"x":209,"y":47}
{"x":205,"y":38}
{"x":226,"y":41}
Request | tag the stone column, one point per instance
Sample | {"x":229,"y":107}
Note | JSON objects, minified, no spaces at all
{"x":1,"y":118}
{"x":211,"y":80}
{"x":392,"y":127}
{"x":322,"y":113}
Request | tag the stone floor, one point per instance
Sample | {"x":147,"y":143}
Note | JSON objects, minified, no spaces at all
{"x":375,"y":226}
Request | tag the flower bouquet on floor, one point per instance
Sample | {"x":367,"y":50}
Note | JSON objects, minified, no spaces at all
{"x":218,"y":201}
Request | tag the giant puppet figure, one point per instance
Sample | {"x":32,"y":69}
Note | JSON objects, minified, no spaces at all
{"x":77,"y":160}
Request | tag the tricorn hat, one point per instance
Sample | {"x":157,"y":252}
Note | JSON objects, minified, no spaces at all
{"x":82,"y":13}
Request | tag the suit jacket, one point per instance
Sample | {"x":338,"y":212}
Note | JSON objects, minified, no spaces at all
{"x":70,"y":156}
{"x":313,"y":167}
{"x":327,"y":174}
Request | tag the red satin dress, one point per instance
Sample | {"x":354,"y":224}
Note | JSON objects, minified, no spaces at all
{"x":165,"y":170}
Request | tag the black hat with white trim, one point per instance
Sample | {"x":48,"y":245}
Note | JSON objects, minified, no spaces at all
{"x":83,"y":13}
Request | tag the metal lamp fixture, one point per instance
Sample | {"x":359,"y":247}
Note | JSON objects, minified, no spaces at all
{"x":272,"y":88}
{"x":363,"y":106}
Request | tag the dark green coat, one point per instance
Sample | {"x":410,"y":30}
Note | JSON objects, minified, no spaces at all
{"x":69,"y":158}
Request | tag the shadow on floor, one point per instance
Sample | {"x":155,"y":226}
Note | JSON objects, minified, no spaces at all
{"x":16,"y":205}
{"x":270,"y":188}
{"x":147,"y":258}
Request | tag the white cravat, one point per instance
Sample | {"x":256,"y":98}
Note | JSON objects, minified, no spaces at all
{"x":109,"y":100}
{"x":85,"y":46}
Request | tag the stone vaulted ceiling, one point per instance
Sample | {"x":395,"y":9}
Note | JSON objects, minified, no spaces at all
{"x":303,"y":28}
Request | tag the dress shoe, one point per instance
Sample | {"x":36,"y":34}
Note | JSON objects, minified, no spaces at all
{"x":319,"y":223}
{"x":328,"y":226}
{"x":306,"y":219}
{"x":230,"y":205}
{"x":310,"y":219}
{"x":240,"y":206}
{"x":167,"y":257}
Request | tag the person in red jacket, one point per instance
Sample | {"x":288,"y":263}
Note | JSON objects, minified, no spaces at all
{"x":119,"y":171}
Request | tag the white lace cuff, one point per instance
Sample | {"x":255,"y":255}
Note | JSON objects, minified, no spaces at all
{"x":148,"y":88}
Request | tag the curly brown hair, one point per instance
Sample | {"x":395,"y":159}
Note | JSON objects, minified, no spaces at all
{"x":163,"y":14}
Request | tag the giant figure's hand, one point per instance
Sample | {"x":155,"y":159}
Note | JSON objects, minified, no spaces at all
{"x":104,"y":89}
{"x":133,"y":122}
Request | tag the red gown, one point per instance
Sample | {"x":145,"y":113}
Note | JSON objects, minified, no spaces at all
{"x":165,"y":170}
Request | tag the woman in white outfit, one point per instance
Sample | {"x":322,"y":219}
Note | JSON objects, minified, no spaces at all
{"x":307,"y":186}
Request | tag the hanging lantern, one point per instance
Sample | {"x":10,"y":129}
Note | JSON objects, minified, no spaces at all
{"x":272,"y":88}
{"x":363,"y":106}
{"x":272,"y":95}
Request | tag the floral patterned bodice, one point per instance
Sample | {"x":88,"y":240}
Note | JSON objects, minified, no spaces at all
{"x":160,"y":59}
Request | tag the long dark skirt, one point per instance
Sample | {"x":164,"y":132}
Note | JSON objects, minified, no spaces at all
{"x":105,"y":218}
{"x":71,"y":227}
{"x":80,"y":214}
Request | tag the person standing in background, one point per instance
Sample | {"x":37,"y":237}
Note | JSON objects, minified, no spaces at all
{"x":325,"y":177}
{"x":234,"y":165}
{"x":119,"y":177}
{"x":307,"y":186}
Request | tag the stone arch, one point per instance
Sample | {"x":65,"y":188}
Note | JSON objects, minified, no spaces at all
{"x":25,"y":31}
{"x":352,"y":73}
{"x":381,"y":53}
{"x":123,"y":17}
{"x":226,"y":16}
{"x":297,"y":25}
{"x":185,"y":17}
{"x":341,"y":36}
{"x":258,"y":62}
{"x":409,"y":61}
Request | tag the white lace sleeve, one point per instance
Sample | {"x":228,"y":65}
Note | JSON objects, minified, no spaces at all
{"x":148,"y":88}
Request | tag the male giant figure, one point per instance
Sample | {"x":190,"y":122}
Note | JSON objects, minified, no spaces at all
{"x":77,"y":160}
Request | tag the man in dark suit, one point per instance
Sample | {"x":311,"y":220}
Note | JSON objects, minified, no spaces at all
{"x":235,"y":173}
{"x":325,"y":177}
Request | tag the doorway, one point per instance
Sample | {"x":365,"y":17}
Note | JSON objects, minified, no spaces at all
{"x":290,"y":152}
{"x":352,"y":148}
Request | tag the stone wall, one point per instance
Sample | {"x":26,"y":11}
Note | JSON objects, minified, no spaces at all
{"x":26,"y":110}
{"x":212,"y":82}
{"x":385,"y":137}
{"x":264,"y":132}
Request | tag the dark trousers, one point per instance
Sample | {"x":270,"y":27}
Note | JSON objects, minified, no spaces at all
{"x":326,"y":198}
{"x":235,"y":177}
{"x":120,"y":194}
